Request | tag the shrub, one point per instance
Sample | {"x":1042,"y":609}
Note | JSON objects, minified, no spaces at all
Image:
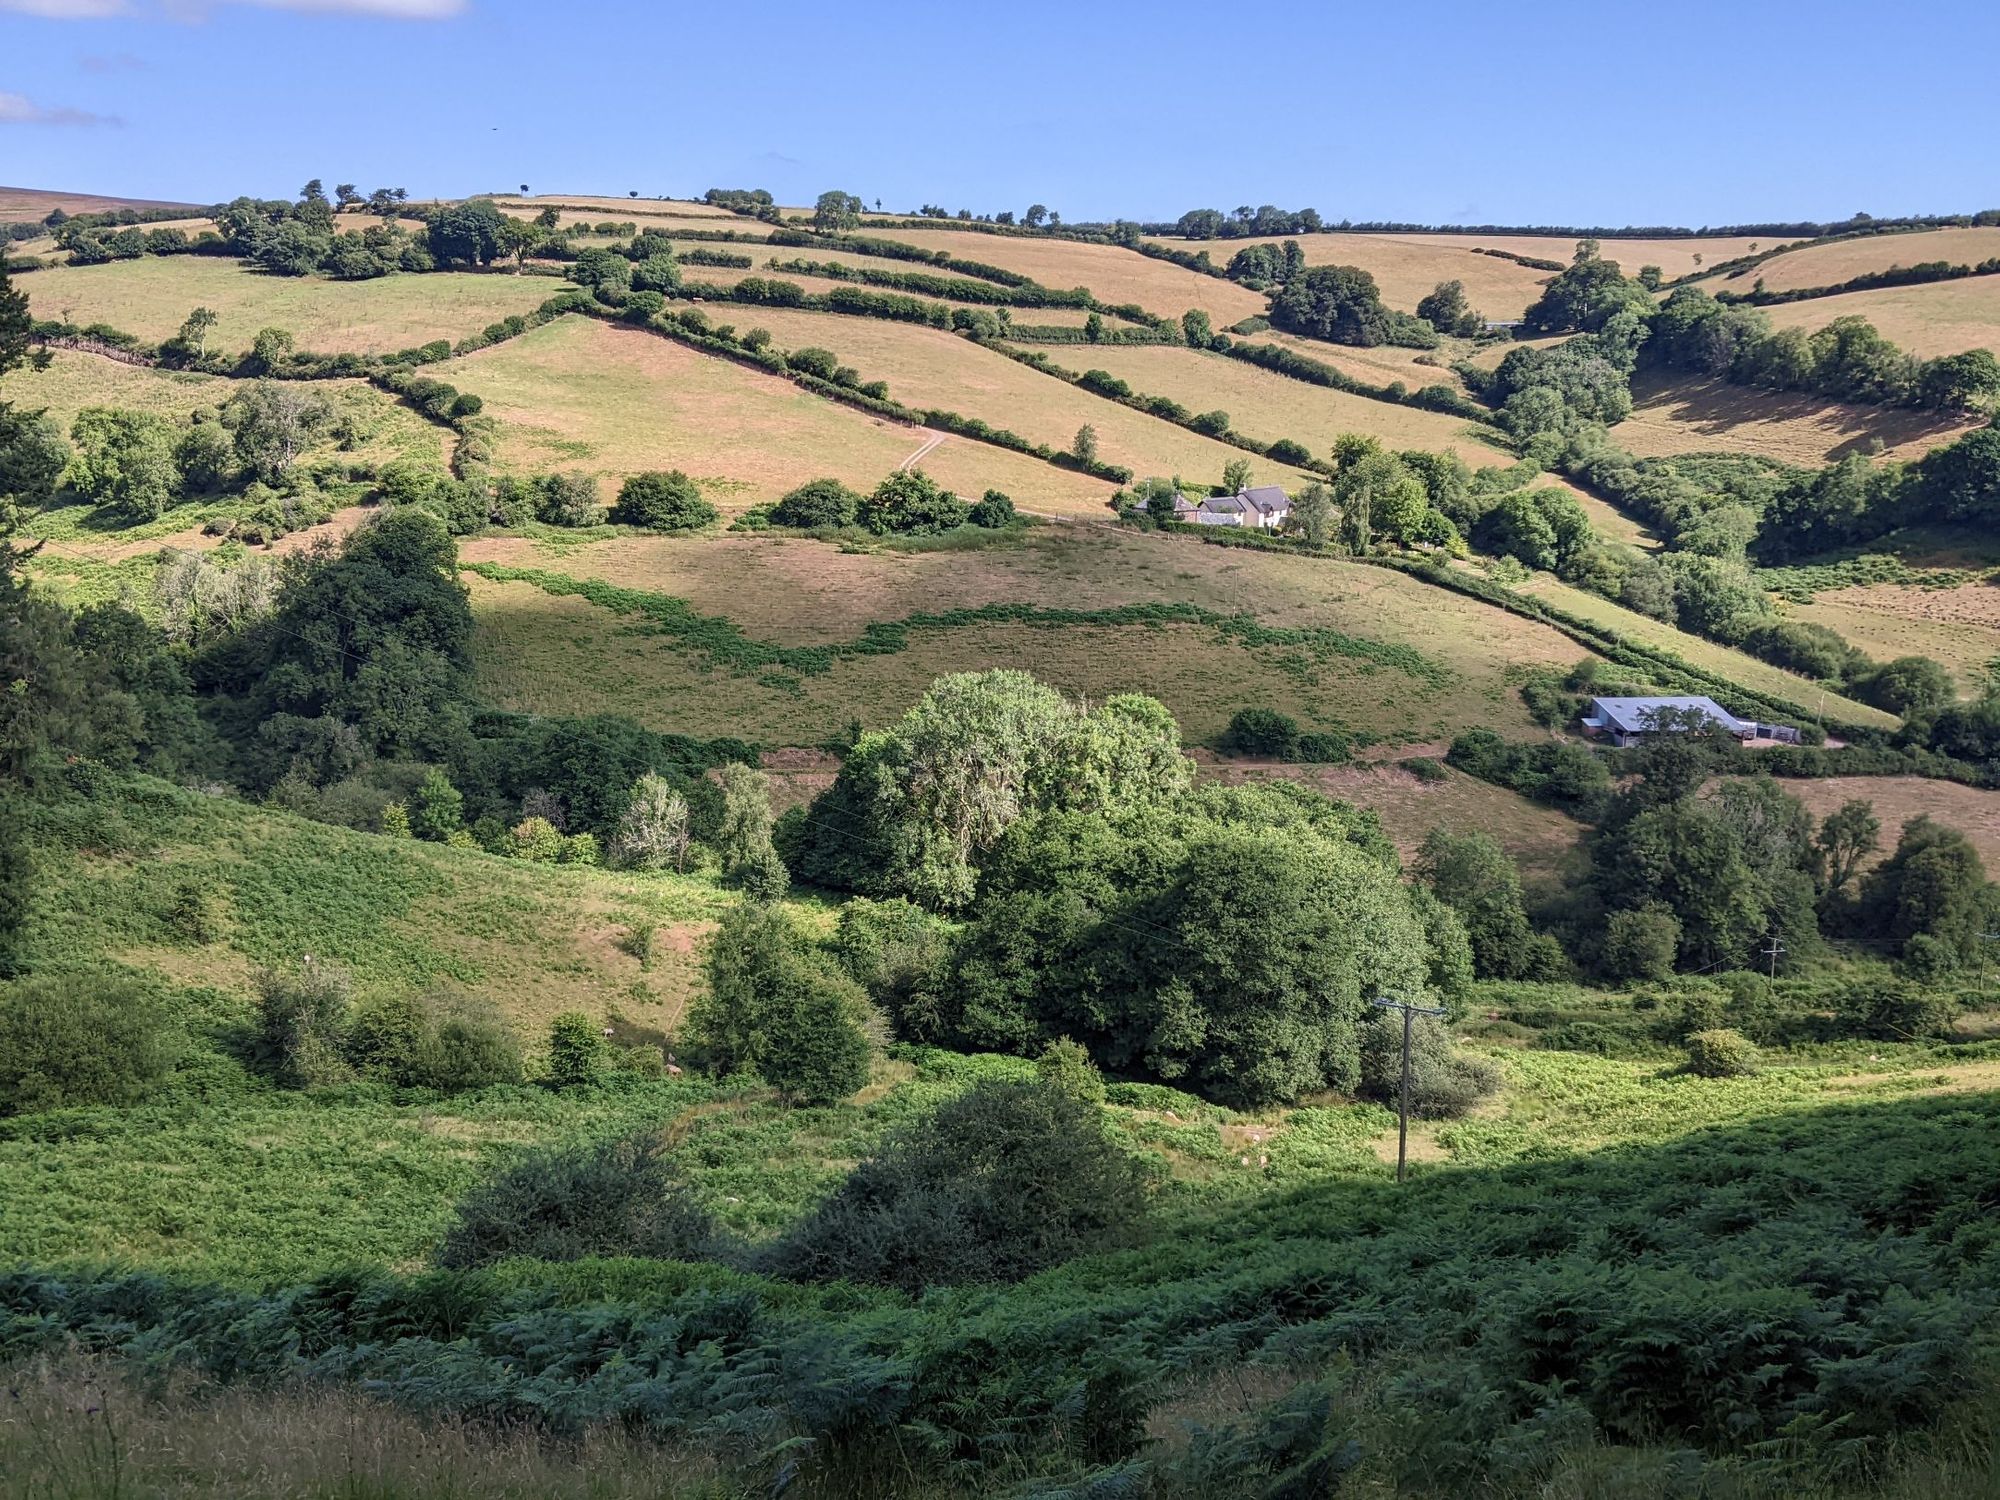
{"x":817,"y":502}
{"x":566,"y":499}
{"x":612,"y":1198}
{"x":910,"y":503}
{"x":1640,"y":944}
{"x":662,"y":502}
{"x":1321,"y":747}
{"x":576,"y":1051}
{"x":1003,"y":1181}
{"x":1444,"y":1081}
{"x":1897,"y":1011}
{"x":898,"y":953}
{"x":1721,"y":1053}
{"x":72,"y":1040}
{"x":432,"y":1042}
{"x":1423,"y":767}
{"x":1066,"y":1067}
{"x":304,"y":1024}
{"x":533,"y":839}
{"x":994,"y":510}
{"x":774,"y":1008}
{"x":1262,"y":732}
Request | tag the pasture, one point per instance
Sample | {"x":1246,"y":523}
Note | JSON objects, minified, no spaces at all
{"x":1384,"y":364}
{"x":1405,"y":267}
{"x":151,"y":297}
{"x":1268,"y":406}
{"x":1959,"y":627}
{"x":930,"y":368}
{"x":1897,"y":799}
{"x":1675,"y":257}
{"x":1829,"y":265}
{"x":578,"y":394}
{"x":1941,"y":317}
{"x":559,"y":653}
{"x":1113,"y":273}
{"x":1684,"y":414}
{"x":18,"y":203}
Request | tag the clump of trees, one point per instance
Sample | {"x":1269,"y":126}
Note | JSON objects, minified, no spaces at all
{"x":1343,"y":304}
{"x":657,"y":501}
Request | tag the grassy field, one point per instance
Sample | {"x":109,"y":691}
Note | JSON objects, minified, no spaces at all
{"x":928,"y":367}
{"x":1829,"y":265}
{"x":1897,"y":799}
{"x":1383,"y":365}
{"x":1535,"y":837}
{"x":613,"y":401}
{"x":535,"y":940}
{"x":1405,"y":267}
{"x":1943,"y":317}
{"x":560,"y":654}
{"x":1269,"y":406}
{"x":388,"y":430}
{"x":1115,"y":274}
{"x":35,"y":203}
{"x":150,"y":297}
{"x":1959,"y":626}
{"x":1674,"y":257}
{"x":1727,"y":662}
{"x":1672,"y":414}
{"x":626,"y":208}
{"x":1068,"y":317}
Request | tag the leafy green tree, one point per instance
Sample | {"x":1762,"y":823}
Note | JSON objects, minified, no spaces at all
{"x":662,"y":502}
{"x":909,"y":502}
{"x":204,"y":458}
{"x":1313,"y":513}
{"x":657,"y":273}
{"x":1933,"y":885}
{"x":270,"y":349}
{"x":438,"y":810}
{"x":1197,"y":329}
{"x":1447,"y":310}
{"x":1847,"y":836}
{"x":194,"y":331}
{"x":33,"y":456}
{"x":836,"y":212}
{"x":775,"y":1008}
{"x":1472,"y":875}
{"x":653,"y":831}
{"x":1342,"y":304}
{"x":1958,"y":382}
{"x":304,"y":1023}
{"x":743,"y":833}
{"x":274,"y":422}
{"x":473,"y":232}
{"x":1262,"y":732}
{"x":1035,"y":217}
{"x":568,"y":499}
{"x":124,"y":461}
{"x":994,"y":511}
{"x":1083,"y":448}
{"x":1908,"y":685}
{"x":1236,"y":476}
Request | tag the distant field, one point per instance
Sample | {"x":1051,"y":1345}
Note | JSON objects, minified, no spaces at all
{"x":1941,"y":317}
{"x":1828,"y":265}
{"x":1674,"y":257}
{"x":1897,"y":799}
{"x":549,"y":654}
{"x":1735,"y":665}
{"x":746,"y":314}
{"x":1676,"y":414}
{"x":1114,"y":273}
{"x":1383,"y":365}
{"x":612,"y":208}
{"x":35,"y":203}
{"x":928,"y":367}
{"x":152,"y":296}
{"x":1270,"y":406}
{"x":1959,"y":627}
{"x":580,"y":394}
{"x":1405,"y":267}
{"x":1536,"y":837}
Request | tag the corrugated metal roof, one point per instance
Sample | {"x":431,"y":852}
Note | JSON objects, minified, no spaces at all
{"x":1638,"y":715}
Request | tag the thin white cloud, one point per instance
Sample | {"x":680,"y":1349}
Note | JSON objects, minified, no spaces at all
{"x":112,"y":62}
{"x":68,"y":10}
{"x":195,"y":10}
{"x":19,"y":109}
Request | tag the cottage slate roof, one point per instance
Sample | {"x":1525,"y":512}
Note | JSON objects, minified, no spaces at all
{"x":1267,"y":498}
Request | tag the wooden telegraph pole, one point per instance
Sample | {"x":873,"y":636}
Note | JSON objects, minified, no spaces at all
{"x":1410,"y":1013}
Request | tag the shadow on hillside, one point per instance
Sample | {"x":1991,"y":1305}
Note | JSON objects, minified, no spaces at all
{"x":1714,"y":408}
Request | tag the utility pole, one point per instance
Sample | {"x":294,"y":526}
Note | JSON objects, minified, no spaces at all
{"x":1986,"y":939}
{"x":1410,"y":1013}
{"x":1774,"y":952}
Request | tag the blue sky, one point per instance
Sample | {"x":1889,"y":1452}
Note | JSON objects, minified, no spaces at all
{"x":1550,"y":113}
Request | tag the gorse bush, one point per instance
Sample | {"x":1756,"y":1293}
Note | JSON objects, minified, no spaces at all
{"x":1003,"y":1181}
{"x":1721,"y":1053}
{"x":80,"y":1039}
{"x":304,"y":1023}
{"x":618,"y":1197}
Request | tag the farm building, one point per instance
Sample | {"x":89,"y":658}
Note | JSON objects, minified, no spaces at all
{"x":1625,"y":720}
{"x":1263,"y":506}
